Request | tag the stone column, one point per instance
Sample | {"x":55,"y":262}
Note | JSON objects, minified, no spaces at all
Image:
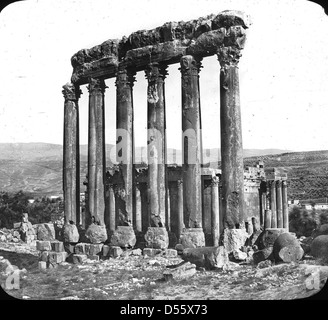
{"x":138,"y":209}
{"x":111,"y":206}
{"x":125,"y":140}
{"x":181,"y":225}
{"x":215,"y":211}
{"x":263,"y":204}
{"x":273,"y":202}
{"x":285,"y":205}
{"x":267,"y":212}
{"x":156,"y":235}
{"x":96,"y":150}
{"x":71,"y":156}
{"x":168,"y":211}
{"x":191,"y":144}
{"x":193,"y":235}
{"x":155,"y":75}
{"x":279,"y":205}
{"x":231,"y":139}
{"x":267,"y":218}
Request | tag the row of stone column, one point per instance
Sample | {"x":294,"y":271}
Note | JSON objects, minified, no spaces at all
{"x":231,"y":144}
{"x":215,"y":209}
{"x":275,"y":204}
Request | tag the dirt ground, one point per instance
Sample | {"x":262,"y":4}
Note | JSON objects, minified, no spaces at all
{"x":141,"y":278}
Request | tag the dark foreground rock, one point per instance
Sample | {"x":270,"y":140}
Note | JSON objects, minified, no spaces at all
{"x":319,"y":248}
{"x":287,"y":248}
{"x":268,"y":237}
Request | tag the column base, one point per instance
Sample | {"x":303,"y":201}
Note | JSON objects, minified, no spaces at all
{"x":157,"y":238}
{"x":234,"y":239}
{"x":192,"y":238}
{"x":123,"y":237}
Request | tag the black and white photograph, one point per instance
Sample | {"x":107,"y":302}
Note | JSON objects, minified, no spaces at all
{"x":157,"y":151}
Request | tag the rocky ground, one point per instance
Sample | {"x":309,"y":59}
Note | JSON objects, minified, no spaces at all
{"x":138,"y":277}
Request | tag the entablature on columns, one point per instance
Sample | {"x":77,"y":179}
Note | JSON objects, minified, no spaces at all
{"x":167,"y":44}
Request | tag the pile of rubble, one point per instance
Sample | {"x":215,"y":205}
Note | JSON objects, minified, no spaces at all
{"x":64,"y":242}
{"x":23,"y":231}
{"x":10,"y":235}
{"x":53,"y":253}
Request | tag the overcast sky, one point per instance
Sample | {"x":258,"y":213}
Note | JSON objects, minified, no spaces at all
{"x":283,"y":70}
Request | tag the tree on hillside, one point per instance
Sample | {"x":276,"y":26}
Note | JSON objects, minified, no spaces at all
{"x":13,"y":205}
{"x":302,"y":222}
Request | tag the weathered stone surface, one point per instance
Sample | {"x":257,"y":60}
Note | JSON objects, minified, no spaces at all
{"x":268,"y":237}
{"x":136,"y":252}
{"x":170,"y":253}
{"x":95,"y":249}
{"x":57,"y":246}
{"x":192,"y":238}
{"x":57,"y":257}
{"x":43,"y":255}
{"x":96,"y":233}
{"x":264,"y":254}
{"x":252,"y":239}
{"x":115,"y":251}
{"x":124,"y":237}
{"x":165,"y":43}
{"x":46,"y":232}
{"x":287,"y":248}
{"x":43,"y":245}
{"x":79,"y":258}
{"x":173,"y":240}
{"x":70,"y":233}
{"x":234,"y":239}
{"x":157,"y":238}
{"x":105,"y":250}
{"x":321,"y":271}
{"x":25,"y":231}
{"x":206,"y":257}
{"x":94,"y":257}
{"x":319,"y":248}
{"x":80,"y":248}
{"x":239,"y":255}
{"x":264,"y":264}
{"x":42,"y":265}
{"x":151,"y":252}
{"x":69,"y":248}
{"x":181,"y":272}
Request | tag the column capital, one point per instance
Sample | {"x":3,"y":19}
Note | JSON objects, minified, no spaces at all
{"x":271,"y":183}
{"x":96,"y":85}
{"x":278,"y":183}
{"x":190,"y":65}
{"x":228,"y":56}
{"x":156,"y":72}
{"x":215,"y":181}
{"x":125,"y":77}
{"x":71,"y":92}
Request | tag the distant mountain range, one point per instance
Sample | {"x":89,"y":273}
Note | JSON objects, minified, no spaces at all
{"x":54,"y":152}
{"x":37,"y":167}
